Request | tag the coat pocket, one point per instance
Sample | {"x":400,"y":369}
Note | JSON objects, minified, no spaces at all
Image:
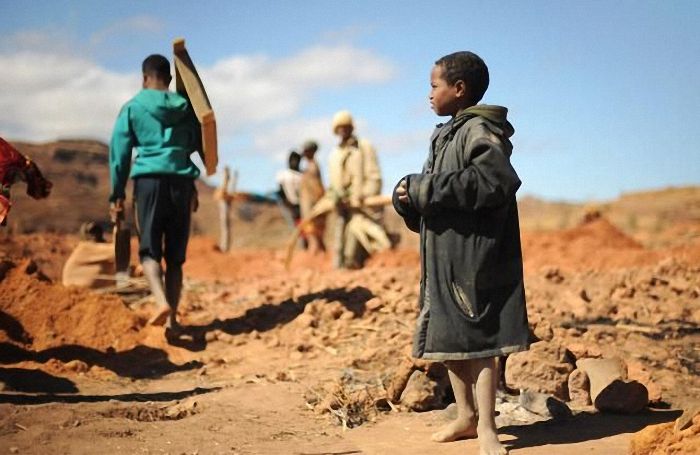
{"x":467,"y":302}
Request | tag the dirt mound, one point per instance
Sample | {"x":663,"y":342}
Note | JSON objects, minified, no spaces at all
{"x":596,"y":244}
{"x":47,"y":315}
{"x":48,"y":250}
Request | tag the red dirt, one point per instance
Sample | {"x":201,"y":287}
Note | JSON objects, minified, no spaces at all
{"x":314,"y":338}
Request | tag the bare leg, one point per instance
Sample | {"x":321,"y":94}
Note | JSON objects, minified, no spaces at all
{"x":173,"y":289}
{"x":464,"y":426}
{"x":485,"y":374}
{"x":154,"y":275}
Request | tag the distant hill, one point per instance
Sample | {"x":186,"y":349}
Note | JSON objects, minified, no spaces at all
{"x":79,"y":170}
{"x":80,"y":173}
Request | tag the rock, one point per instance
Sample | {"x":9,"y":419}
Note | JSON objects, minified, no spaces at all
{"x":400,"y":379}
{"x":306,"y":320}
{"x":77,"y":366}
{"x":543,"y":331}
{"x":374,"y":304}
{"x":553,"y":274}
{"x":662,"y":439}
{"x":421,"y":393}
{"x":583,"y":350}
{"x":183,"y":409}
{"x":610,"y":391}
{"x":637,"y":372}
{"x":544,"y":405}
{"x":579,"y":388}
{"x":544,"y":368}
{"x":346,"y":315}
{"x":602,"y":372}
{"x":686,"y":419}
{"x":620,"y":396}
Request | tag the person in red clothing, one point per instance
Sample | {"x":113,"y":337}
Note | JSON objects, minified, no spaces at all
{"x":15,"y":167}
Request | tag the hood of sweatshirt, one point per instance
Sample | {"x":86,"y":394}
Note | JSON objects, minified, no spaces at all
{"x":168,"y":107}
{"x":494,"y":114}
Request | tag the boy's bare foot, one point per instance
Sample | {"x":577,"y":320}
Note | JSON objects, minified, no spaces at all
{"x":161,"y":315}
{"x":489,"y":443}
{"x":457,"y":429}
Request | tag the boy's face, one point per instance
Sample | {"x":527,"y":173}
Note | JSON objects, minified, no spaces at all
{"x":446,"y":99}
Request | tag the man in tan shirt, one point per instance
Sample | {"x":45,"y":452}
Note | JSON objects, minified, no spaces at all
{"x":354,"y":175}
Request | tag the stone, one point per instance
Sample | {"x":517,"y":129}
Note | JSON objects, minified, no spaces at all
{"x":602,"y":372}
{"x":543,"y":331}
{"x":582,"y":350}
{"x":663,"y":439}
{"x":626,"y":397}
{"x":544,"y":368}
{"x":421,"y":393}
{"x":374,"y":304}
{"x":400,"y":379}
{"x":579,"y":388}
{"x":637,"y":372}
{"x":77,"y":366}
{"x":686,"y":419}
{"x":544,"y":405}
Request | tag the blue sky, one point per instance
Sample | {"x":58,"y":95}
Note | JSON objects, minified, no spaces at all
{"x":603,"y":95}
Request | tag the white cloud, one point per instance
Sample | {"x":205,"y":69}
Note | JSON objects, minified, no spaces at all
{"x":55,"y":93}
{"x":283,"y":136}
{"x":131,"y":25}
{"x":246,"y":90}
{"x":48,"y":96}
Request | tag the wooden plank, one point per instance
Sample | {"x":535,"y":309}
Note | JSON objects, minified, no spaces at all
{"x":189,"y":84}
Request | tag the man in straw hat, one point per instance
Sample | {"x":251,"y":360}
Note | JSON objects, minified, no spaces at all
{"x":354,"y":175}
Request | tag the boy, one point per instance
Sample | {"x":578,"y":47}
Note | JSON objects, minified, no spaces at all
{"x":310,"y":193}
{"x":289,"y":181}
{"x":163,"y":128}
{"x":472,"y":301}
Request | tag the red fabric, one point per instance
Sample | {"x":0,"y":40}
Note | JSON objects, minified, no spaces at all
{"x":11,"y":163}
{"x":14,"y":166}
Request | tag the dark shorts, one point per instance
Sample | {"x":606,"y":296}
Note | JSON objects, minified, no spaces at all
{"x":163,"y":213}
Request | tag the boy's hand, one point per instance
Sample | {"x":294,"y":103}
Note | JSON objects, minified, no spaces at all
{"x":402,"y":191}
{"x":116,"y":210}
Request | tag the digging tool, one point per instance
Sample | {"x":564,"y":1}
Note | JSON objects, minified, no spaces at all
{"x":324,"y":206}
{"x":122,"y":249}
{"x":189,"y":85}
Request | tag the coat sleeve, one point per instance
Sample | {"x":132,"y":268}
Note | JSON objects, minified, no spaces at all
{"x":487,"y":181}
{"x":409,"y":214}
{"x":122,"y":142}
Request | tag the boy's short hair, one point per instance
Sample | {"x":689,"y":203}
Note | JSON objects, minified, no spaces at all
{"x":468,"y":67}
{"x":294,"y":160}
{"x":158,"y":66}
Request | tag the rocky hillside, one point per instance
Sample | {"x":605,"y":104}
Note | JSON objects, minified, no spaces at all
{"x":80,"y":173}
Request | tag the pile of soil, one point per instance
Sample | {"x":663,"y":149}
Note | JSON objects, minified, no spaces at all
{"x":71,"y":330}
{"x":596,"y":245}
{"x":51,"y":315}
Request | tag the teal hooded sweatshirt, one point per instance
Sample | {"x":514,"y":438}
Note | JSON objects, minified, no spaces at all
{"x":162,"y":127}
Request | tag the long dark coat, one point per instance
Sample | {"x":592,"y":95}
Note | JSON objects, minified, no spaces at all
{"x":472,"y":300}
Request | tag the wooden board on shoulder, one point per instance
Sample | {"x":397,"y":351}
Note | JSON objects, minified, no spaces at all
{"x":188,"y":84}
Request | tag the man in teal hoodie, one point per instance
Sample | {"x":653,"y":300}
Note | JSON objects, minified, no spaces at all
{"x":161,"y":125}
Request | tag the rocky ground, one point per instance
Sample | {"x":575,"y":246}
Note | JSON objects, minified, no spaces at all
{"x":316,"y":361}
